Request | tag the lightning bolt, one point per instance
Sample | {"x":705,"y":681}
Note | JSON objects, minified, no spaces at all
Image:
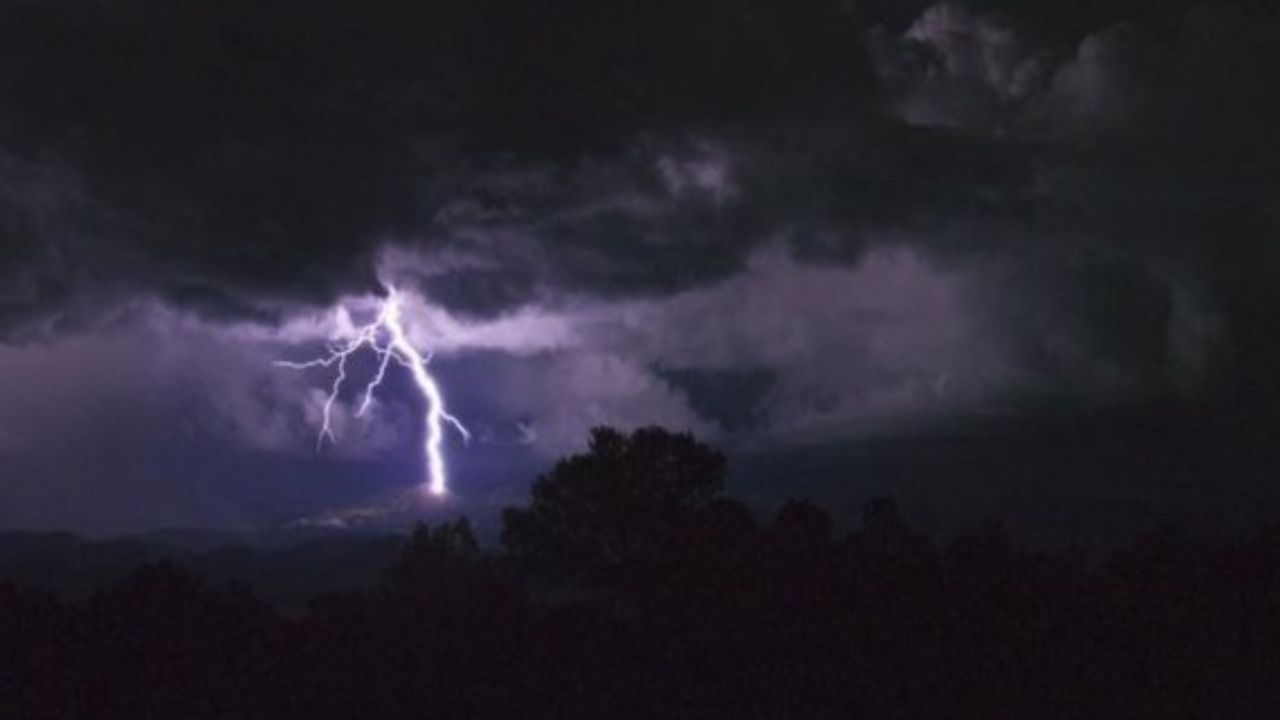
{"x":386,"y":338}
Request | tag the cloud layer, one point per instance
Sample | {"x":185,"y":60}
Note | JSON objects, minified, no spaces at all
{"x":775,"y":224}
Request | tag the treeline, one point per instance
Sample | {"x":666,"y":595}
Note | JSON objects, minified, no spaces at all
{"x":631,"y":587}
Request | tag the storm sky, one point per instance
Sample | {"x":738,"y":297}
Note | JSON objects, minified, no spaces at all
{"x":1014,"y":257}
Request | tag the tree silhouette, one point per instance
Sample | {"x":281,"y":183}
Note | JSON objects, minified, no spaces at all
{"x":624,"y":502}
{"x":802,"y":526}
{"x":163,"y":643}
{"x":432,"y":557}
{"x":680,"y":604}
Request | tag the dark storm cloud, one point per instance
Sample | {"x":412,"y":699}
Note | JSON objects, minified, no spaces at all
{"x":1154,"y":167}
{"x":1112,"y":191}
{"x":1105,"y":184}
{"x":667,"y":214}
{"x":774,"y":223}
{"x":1188,"y":84}
{"x":269,"y":148}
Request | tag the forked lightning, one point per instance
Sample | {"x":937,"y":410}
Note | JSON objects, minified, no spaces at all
{"x":386,"y":338}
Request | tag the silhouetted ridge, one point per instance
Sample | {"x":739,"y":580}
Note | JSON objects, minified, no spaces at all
{"x":630,"y":587}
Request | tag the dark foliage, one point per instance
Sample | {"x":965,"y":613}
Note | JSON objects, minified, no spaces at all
{"x":628,"y":501}
{"x":630,"y":588}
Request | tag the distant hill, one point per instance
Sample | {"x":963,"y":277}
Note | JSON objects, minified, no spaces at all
{"x":286,"y":567}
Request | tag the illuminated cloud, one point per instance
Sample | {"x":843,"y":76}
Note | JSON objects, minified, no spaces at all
{"x":819,"y":228}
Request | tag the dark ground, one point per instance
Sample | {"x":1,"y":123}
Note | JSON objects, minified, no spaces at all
{"x":631,"y":587}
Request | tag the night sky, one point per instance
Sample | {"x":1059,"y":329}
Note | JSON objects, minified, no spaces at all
{"x":1002,"y":258}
